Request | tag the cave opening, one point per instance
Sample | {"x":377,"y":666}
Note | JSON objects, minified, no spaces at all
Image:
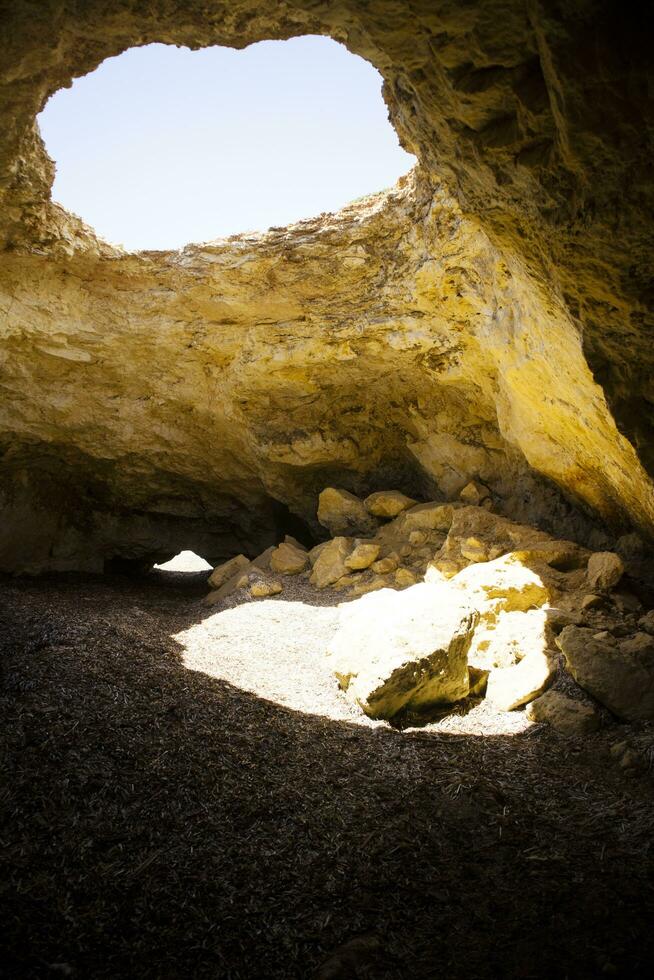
{"x":162,"y":145}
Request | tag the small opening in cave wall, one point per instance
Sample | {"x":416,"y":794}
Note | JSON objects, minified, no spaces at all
{"x":185,"y":561}
{"x":161,"y":146}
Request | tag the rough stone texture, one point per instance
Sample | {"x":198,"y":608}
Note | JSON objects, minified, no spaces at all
{"x":511,"y":687}
{"x":487,"y":319}
{"x":364,"y":554}
{"x":399,"y":651}
{"x":288,"y":560}
{"x":605,"y":569}
{"x":388,"y":503}
{"x":330,"y":565}
{"x":228,"y":569}
{"x":564,"y":714}
{"x":620,"y":676}
{"x":341,"y":512}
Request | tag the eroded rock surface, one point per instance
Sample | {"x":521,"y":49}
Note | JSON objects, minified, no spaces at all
{"x":487,"y":320}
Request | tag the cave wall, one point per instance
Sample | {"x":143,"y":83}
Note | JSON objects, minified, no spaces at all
{"x":488,"y":317}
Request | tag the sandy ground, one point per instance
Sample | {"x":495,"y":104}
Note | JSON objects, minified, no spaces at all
{"x":186,"y":793}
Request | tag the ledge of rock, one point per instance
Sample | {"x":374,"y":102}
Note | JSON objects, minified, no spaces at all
{"x":486,"y":320}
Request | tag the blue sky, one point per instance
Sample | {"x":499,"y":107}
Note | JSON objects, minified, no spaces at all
{"x":162,"y":146}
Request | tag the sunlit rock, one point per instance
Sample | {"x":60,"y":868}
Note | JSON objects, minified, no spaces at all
{"x":388,"y":503}
{"x":330,"y":565}
{"x":364,"y":554}
{"x":288,"y":560}
{"x":406,"y":650}
{"x":511,"y":687}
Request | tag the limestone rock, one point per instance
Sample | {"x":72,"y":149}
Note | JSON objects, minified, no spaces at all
{"x":563,"y":714}
{"x":262,"y":561}
{"x":330,"y":565}
{"x":289,"y":539}
{"x":288,"y":560}
{"x":474,"y":493}
{"x":402,"y":651}
{"x":511,"y":687}
{"x":385,"y":565}
{"x":605,"y":569}
{"x":502,"y":639}
{"x":342,"y":513}
{"x":646,"y":622}
{"x":432,"y":516}
{"x":620,"y":677}
{"x":404,"y":577}
{"x":229,"y":568}
{"x":506,"y":583}
{"x":364,"y":554}
{"x":387,"y":503}
{"x":239,"y":580}
{"x":262,"y":588}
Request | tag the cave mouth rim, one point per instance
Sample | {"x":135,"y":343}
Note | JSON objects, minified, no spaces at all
{"x":393,"y":183}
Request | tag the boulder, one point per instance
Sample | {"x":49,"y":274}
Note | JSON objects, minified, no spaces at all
{"x":342,"y":513}
{"x":511,"y":687}
{"x":262,"y":561}
{"x":618,"y":675}
{"x":364,"y":554}
{"x":405,"y":577}
{"x":239,"y":580}
{"x":503,"y":639}
{"x":605,"y":569}
{"x":432,"y":516}
{"x":330,"y":563}
{"x":563,"y":714}
{"x":223,"y":572}
{"x":289,"y":539}
{"x":387,"y":503}
{"x":288,"y":560}
{"x":396,"y":651}
{"x":505,"y":582}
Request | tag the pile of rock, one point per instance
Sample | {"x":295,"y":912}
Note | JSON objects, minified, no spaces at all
{"x":464,"y":602}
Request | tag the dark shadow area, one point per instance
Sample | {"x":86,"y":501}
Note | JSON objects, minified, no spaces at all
{"x":159,"y":823}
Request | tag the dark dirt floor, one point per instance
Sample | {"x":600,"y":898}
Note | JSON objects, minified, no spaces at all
{"x":157,"y":822}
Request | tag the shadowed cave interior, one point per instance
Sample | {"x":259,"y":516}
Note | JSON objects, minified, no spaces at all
{"x":402,"y":725}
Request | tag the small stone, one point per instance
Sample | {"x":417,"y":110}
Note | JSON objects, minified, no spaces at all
{"x":223,"y":572}
{"x":385,"y":565}
{"x":563,"y":714}
{"x":404,"y":577}
{"x":417,"y":539}
{"x":591,"y":601}
{"x":387,"y":503}
{"x":557,"y":619}
{"x":372,"y":585}
{"x":227,"y":588}
{"x":605,"y":569}
{"x":288,"y":560}
{"x":316,"y":550}
{"x":342,"y":513}
{"x":263,"y":588}
{"x":405,"y":551}
{"x":637,"y":645}
{"x":364,"y":554}
{"x":442,"y":568}
{"x":474,"y":493}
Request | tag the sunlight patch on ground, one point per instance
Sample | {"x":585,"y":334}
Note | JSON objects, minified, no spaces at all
{"x":185,"y":561}
{"x":276,"y":649}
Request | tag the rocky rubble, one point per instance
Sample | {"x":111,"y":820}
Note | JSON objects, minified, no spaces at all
{"x":452,"y":582}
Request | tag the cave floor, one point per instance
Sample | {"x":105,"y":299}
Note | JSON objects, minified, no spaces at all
{"x":173,"y":806}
